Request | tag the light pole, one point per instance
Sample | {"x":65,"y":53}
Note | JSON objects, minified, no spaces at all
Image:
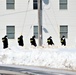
{"x":40,"y":22}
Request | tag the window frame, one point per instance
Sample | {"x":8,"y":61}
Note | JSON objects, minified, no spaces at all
{"x":61,"y":4}
{"x":9,"y":4}
{"x":65,"y":33}
{"x":35,"y":33}
{"x":35,"y":4}
{"x":8,"y":32}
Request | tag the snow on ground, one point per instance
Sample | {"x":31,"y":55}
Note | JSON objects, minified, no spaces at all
{"x":61,"y":58}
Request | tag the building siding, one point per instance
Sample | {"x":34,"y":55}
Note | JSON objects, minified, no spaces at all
{"x":52,"y":18}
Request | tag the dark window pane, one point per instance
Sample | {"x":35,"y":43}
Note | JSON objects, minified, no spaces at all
{"x":65,"y":34}
{"x":63,"y":4}
{"x":36,"y":35}
{"x":34,"y":0}
{"x":63,"y":28}
{"x":10,"y":1}
{"x":36,"y":31}
{"x":35,"y":4}
{"x":63,"y":1}
{"x":10,"y":32}
{"x":10,"y":4}
{"x":10,"y":36}
{"x":35,"y":28}
{"x":63,"y":31}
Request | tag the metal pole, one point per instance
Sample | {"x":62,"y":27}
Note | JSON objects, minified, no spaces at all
{"x":40,"y":22}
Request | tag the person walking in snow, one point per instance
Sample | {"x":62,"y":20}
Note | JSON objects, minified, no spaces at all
{"x":5,"y":42}
{"x":32,"y":41}
{"x":63,"y":41}
{"x":20,"y":41}
{"x":50,"y":41}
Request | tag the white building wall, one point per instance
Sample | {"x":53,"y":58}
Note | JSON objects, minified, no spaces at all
{"x":24,"y":21}
{"x":61,"y":17}
{"x":22,"y":17}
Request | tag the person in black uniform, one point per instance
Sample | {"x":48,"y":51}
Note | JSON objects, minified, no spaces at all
{"x":50,"y":41}
{"x":20,"y":41}
{"x":63,"y":41}
{"x":32,"y":41}
{"x":5,"y":42}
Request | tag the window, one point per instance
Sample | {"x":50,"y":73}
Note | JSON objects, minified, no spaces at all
{"x":41,"y":4}
{"x":35,"y":4}
{"x":64,"y":31}
{"x":36,"y":31}
{"x":10,"y":32}
{"x":10,"y":4}
{"x":63,"y":4}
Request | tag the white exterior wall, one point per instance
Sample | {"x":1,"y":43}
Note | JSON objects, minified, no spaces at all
{"x":52,"y":19}
{"x":61,"y":17}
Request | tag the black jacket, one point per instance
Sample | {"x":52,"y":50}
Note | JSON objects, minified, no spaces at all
{"x":5,"y":42}
{"x":63,"y":41}
{"x":50,"y":41}
{"x":32,"y":41}
{"x":20,"y":41}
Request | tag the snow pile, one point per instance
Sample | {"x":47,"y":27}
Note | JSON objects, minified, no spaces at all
{"x":61,"y":58}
